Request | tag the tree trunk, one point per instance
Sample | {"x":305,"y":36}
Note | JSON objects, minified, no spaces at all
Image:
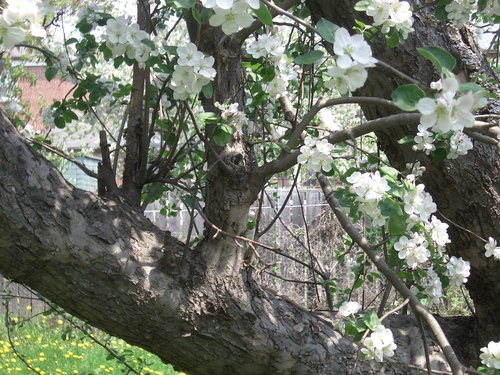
{"x":466,"y":189}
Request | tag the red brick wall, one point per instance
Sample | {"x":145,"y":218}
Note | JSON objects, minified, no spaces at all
{"x":42,"y":94}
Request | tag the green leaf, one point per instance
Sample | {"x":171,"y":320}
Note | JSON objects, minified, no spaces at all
{"x":441,"y":13}
{"x":84,"y":26}
{"x":223,"y":133}
{"x":309,"y":58}
{"x":406,"y":97}
{"x":407,"y":139}
{"x":389,"y":171}
{"x":184,"y":3}
{"x":207,"y":90}
{"x":59,"y":122}
{"x":258,"y":98}
{"x":50,"y":73}
{"x":396,"y":225}
{"x":196,"y":15}
{"x":71,"y":41}
{"x":469,"y":86}
{"x":149,"y":43}
{"x":439,"y":154}
{"x":327,"y":30}
{"x":118,"y":61}
{"x":393,"y":258}
{"x":389,"y":208}
{"x":264,"y":15}
{"x":69,"y":116}
{"x":362,"y":6}
{"x":439,"y":57}
{"x":371,"y":319}
{"x":352,"y":328}
{"x":267,"y":73}
{"x":393,"y":39}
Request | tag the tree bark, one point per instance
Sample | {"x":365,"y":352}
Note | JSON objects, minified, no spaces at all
{"x":105,"y":263}
{"x":466,"y":189}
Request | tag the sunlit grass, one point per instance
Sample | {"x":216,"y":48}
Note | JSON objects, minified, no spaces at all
{"x":52,"y":346}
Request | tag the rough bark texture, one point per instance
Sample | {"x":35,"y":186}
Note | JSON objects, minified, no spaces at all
{"x":68,"y":244}
{"x":465,"y":190}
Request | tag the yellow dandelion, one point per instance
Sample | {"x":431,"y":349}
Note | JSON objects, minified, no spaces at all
{"x":60,"y":322}
{"x":28,"y":308}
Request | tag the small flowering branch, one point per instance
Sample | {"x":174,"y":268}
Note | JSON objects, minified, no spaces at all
{"x":289,"y":159}
{"x":399,"y":285}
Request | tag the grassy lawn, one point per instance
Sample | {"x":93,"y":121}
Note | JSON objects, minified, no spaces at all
{"x":52,"y":346}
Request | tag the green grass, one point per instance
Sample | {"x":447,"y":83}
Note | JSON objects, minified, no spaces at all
{"x":53,"y":346}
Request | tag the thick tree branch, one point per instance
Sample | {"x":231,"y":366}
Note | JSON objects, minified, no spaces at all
{"x":289,"y":160}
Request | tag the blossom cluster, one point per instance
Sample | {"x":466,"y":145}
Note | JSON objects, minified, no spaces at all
{"x":193,"y":71}
{"x":315,"y":155}
{"x":18,"y":19}
{"x":448,"y":111}
{"x":490,"y":355}
{"x":459,"y":270}
{"x":459,"y":11}
{"x":369,"y":188}
{"x":353,"y":56}
{"x":459,"y":143}
{"x":271,"y":48}
{"x":231,"y":15}
{"x":379,"y":344}
{"x":267,"y":45}
{"x":414,"y":249}
{"x":391,"y":14}
{"x":122,"y":38}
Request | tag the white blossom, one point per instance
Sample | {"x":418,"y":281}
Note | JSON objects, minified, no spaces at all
{"x":460,"y":143}
{"x":433,"y":288}
{"x":349,"y":308}
{"x":346,"y":79}
{"x":379,"y":344}
{"x":413,"y":249}
{"x":459,"y":270}
{"x":350,"y":50}
{"x":424,"y":140}
{"x":438,"y":231}
{"x":233,"y":19}
{"x":445,"y":112}
{"x":490,"y":355}
{"x":391,"y":14}
{"x":492,"y":249}
{"x":459,"y":11}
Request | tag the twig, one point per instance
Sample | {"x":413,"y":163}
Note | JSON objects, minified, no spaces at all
{"x":62,"y":154}
{"x":424,"y":341}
